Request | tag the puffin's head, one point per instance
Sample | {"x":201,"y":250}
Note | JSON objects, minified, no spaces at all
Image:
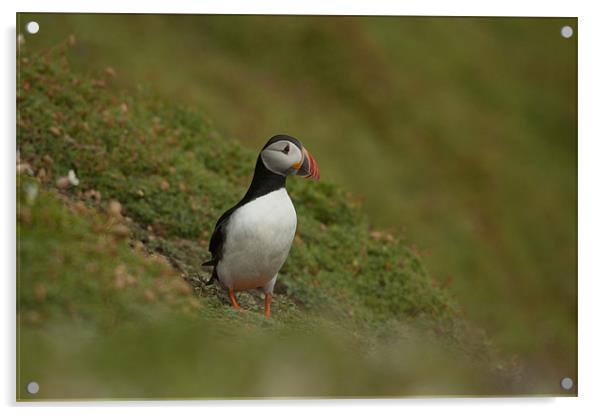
{"x":285,"y":155}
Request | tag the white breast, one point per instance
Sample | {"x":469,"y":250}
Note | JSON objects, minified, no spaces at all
{"x":258,"y":238}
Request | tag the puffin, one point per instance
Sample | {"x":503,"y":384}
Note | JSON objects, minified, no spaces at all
{"x":252,"y":239}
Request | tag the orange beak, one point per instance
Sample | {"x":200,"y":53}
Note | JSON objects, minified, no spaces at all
{"x":308,"y":167}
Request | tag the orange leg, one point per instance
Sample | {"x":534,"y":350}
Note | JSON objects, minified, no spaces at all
{"x":268,"y":303}
{"x":233,"y":299}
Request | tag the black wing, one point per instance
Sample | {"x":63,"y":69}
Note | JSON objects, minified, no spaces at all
{"x":218,"y":237}
{"x":216,"y":244}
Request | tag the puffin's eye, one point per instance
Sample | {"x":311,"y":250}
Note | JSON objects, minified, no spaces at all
{"x":286,"y":149}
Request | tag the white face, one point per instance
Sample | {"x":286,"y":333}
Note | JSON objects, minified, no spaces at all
{"x":282,"y":157}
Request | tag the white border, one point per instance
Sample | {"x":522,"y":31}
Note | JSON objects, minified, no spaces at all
{"x":590,"y":200}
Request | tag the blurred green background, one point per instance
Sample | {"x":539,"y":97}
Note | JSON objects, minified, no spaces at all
{"x":460,"y":134}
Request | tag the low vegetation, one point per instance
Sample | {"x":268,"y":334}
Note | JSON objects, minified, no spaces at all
{"x":112,"y":301}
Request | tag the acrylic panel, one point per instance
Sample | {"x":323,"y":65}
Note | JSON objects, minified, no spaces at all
{"x":171,"y":243}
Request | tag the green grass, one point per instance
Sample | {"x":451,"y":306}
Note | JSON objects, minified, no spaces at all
{"x":104,"y":309}
{"x":459,"y":135}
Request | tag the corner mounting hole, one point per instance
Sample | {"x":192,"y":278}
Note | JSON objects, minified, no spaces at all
{"x":33,"y":388}
{"x":566,"y":383}
{"x":566,"y":32}
{"x":32,"y":27}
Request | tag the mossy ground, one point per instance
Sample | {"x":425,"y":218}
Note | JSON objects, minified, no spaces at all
{"x":104,"y":309}
{"x":460,"y":134}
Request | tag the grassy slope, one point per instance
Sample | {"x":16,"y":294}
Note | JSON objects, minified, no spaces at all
{"x":468,"y":126}
{"x":103,"y":311}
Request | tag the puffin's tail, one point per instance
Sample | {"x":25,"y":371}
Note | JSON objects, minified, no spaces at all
{"x":211,"y":263}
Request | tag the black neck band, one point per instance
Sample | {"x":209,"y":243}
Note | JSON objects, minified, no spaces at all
{"x":264,"y":182}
